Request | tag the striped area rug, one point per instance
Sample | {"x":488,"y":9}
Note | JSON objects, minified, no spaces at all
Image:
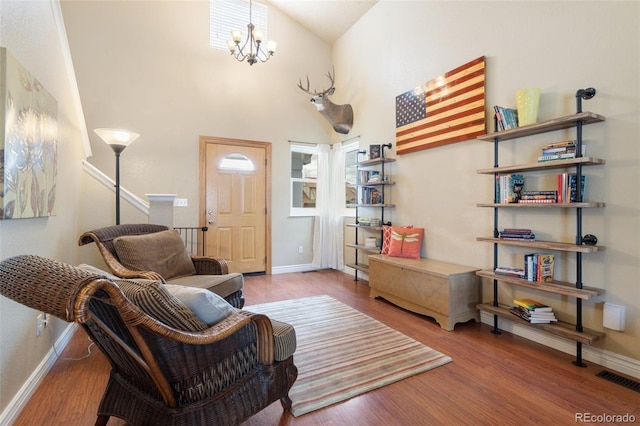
{"x":343,"y":353}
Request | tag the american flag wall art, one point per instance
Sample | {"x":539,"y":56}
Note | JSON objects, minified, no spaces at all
{"x":450,"y":108}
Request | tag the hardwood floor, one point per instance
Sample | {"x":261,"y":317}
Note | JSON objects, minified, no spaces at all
{"x":493,"y":379}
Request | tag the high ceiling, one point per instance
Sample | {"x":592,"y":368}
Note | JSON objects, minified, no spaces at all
{"x":329,"y":19}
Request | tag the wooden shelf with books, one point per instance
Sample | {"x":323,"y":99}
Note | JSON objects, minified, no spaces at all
{"x":559,"y":123}
{"x":557,"y":287}
{"x":373,"y":195}
{"x":546,"y":245}
{"x":546,"y":165}
{"x":560,"y":328}
{"x":509,"y":185}
{"x":584,"y":205}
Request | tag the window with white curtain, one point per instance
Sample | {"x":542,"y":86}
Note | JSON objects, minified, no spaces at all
{"x":304,"y":179}
{"x":350,"y":153}
{"x":227,"y":15}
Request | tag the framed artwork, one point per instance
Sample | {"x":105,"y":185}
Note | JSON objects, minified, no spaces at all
{"x":450,"y":108}
{"x":28,"y":143}
{"x":374,"y":151}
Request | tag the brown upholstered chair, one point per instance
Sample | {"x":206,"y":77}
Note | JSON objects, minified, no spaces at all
{"x":160,"y":374}
{"x":205,"y":271}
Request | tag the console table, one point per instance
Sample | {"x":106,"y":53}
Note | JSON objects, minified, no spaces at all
{"x":444,"y":291}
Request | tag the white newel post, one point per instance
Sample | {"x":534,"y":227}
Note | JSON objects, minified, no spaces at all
{"x":161,"y":209}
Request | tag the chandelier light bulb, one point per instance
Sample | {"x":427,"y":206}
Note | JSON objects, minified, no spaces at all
{"x":236,"y":35}
{"x":257,"y":35}
{"x":271,"y":46}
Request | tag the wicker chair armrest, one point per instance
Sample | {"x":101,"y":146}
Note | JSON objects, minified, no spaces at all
{"x":208,"y":265}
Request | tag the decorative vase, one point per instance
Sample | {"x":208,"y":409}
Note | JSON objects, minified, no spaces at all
{"x":527,"y":101}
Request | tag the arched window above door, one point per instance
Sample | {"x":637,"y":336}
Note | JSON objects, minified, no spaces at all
{"x":236,"y":161}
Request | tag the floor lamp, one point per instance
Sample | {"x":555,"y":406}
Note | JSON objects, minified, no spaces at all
{"x":118,"y":140}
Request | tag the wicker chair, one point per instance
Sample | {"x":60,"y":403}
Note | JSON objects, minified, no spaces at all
{"x":160,"y":375}
{"x":204,"y":265}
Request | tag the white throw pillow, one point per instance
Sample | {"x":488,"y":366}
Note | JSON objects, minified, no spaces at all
{"x":208,"y":306}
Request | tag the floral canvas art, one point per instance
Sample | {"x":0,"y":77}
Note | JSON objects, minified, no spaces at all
{"x":28,"y":143}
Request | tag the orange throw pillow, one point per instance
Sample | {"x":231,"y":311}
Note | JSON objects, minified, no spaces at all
{"x":405,"y":242}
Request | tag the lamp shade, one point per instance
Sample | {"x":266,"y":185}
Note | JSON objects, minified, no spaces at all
{"x":117,"y":136}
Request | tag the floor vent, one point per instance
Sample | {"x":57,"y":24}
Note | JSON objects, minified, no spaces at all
{"x":623,"y":381}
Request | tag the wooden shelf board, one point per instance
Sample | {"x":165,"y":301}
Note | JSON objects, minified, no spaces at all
{"x":358,"y":267}
{"x":546,"y":245}
{"x":375,"y":162}
{"x":556,"y":164}
{"x":564,"y":122}
{"x":374,"y":205}
{"x":375,"y":250}
{"x":585,"y":205}
{"x":383,"y":183}
{"x":557,"y":287}
{"x":372,"y":228}
{"x":560,"y":328}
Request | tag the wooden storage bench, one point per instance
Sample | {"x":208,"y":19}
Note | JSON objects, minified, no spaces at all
{"x":444,"y":291}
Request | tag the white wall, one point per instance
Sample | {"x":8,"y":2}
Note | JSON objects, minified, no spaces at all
{"x":138,"y":66}
{"x":38,"y":48}
{"x":558,"y":46}
{"x":147,"y":66}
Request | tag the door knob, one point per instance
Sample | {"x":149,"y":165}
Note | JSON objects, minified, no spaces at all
{"x":211,"y":222}
{"x":210,"y":212}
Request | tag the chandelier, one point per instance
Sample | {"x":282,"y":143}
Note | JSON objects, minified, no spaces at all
{"x":252,"y":49}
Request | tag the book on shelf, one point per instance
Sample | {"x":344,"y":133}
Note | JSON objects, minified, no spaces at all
{"x":559,"y":151}
{"x":515,"y":230}
{"x":516,"y":234}
{"x":533,"y":317}
{"x":506,"y":118}
{"x":567,"y":188}
{"x":510,"y":187}
{"x":533,"y":197}
{"x":539,"y":267}
{"x":509,"y":271}
{"x":533,"y":305}
{"x":552,"y":157}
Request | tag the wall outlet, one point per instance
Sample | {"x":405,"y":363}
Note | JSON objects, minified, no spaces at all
{"x":39,"y":324}
{"x":180,"y":202}
{"x":300,"y":249}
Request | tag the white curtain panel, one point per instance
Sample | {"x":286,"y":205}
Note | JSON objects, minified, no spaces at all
{"x":328,"y":233}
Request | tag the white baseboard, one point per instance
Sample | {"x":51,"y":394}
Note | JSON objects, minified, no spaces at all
{"x":617,"y":362}
{"x":15,"y":406}
{"x":293,"y":268}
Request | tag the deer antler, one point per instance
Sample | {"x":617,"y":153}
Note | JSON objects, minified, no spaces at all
{"x":307,"y":89}
{"x":330,"y":74}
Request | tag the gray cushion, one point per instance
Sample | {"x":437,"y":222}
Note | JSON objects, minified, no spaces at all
{"x":205,"y":304}
{"x":222,"y":285}
{"x":162,"y":252}
{"x":154,"y":300}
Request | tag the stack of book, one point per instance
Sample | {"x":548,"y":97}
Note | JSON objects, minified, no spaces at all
{"x":516,"y":234}
{"x":506,"y":118}
{"x":538,"y":197}
{"x":509,"y":271}
{"x":538,"y":267}
{"x":558,"y":151}
{"x":533,"y":311}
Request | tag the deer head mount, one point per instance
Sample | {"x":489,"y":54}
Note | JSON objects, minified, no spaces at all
{"x":340,"y":116}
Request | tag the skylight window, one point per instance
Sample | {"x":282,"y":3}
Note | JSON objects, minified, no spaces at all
{"x":227,"y":15}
